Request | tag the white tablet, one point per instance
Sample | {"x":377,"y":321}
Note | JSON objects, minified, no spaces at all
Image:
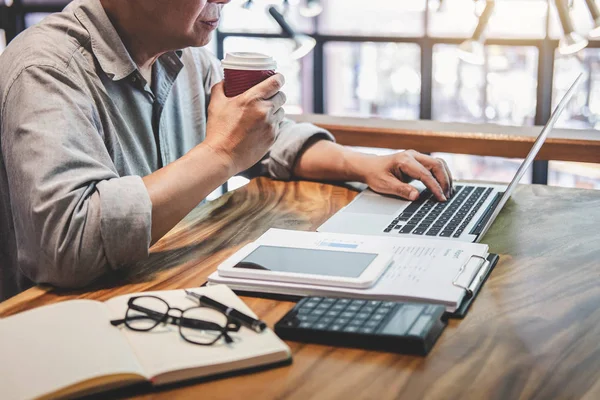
{"x":344,"y":268}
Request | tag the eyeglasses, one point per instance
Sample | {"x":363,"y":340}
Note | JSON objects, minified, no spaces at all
{"x":197,"y":325}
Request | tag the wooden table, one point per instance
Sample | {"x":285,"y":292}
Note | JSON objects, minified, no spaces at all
{"x":533,"y":332}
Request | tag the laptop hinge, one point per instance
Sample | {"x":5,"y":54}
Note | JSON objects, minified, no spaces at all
{"x":486,"y":216}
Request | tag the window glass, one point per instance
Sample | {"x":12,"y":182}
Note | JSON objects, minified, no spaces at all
{"x":502,"y":91}
{"x":579,"y":14}
{"x":493,"y":169}
{"x":573,"y":174}
{"x":256,"y":18}
{"x":510,"y":19}
{"x":280,"y":49}
{"x":583,"y":111}
{"x":523,"y":19}
{"x":373,"y":17}
{"x":364,"y":79}
{"x":34,"y":18}
{"x":453,"y":18}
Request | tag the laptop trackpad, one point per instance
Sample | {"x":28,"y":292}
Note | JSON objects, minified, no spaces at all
{"x":373,"y":203}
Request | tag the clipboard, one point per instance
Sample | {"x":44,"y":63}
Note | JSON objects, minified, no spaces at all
{"x":472,"y":289}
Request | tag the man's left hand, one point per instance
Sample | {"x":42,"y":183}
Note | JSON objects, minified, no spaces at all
{"x":390,"y":174}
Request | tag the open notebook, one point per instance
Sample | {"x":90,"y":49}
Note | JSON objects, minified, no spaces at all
{"x":423,"y":270}
{"x":70,"y":348}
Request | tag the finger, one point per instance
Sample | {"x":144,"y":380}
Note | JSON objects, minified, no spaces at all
{"x":279,"y":116}
{"x":438,"y":169}
{"x":404,"y":190}
{"x":278,"y":100}
{"x":217,"y":90}
{"x":267,"y":88}
{"x":415,"y":169}
{"x":450,"y":178}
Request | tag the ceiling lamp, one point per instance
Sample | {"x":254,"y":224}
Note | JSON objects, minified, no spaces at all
{"x":311,"y":8}
{"x":571,"y":42}
{"x":303,"y":43}
{"x":472,"y":50}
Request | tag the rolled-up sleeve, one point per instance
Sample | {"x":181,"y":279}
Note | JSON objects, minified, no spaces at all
{"x":291,"y":139}
{"x":74,"y":217}
{"x":288,"y":147}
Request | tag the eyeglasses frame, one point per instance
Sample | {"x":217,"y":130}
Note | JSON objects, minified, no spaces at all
{"x":166,"y":318}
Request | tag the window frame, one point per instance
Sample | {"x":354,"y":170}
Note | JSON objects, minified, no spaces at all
{"x":12,"y":20}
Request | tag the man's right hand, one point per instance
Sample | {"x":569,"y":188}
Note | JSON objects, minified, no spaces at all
{"x":241,"y":129}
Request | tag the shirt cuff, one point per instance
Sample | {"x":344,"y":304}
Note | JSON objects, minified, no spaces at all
{"x":126,"y":220}
{"x":289,"y":146}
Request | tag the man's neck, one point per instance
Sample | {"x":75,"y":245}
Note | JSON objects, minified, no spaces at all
{"x":137,"y":39}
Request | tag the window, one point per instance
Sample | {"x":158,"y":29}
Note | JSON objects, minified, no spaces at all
{"x":523,"y":19}
{"x":582,"y":20}
{"x":364,"y":79}
{"x":493,"y":169}
{"x":573,"y":174}
{"x":582,"y":112}
{"x":370,"y":55}
{"x":501,"y":91}
{"x":256,"y":18}
{"x":452,"y":18}
{"x":373,"y":17}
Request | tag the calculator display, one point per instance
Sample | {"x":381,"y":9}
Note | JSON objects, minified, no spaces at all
{"x":307,"y":261}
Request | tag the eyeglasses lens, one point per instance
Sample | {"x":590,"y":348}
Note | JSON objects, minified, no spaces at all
{"x":202,"y":325}
{"x":145,"y":313}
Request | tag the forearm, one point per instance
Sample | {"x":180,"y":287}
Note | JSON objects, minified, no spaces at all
{"x":180,"y":186}
{"x":325,"y":160}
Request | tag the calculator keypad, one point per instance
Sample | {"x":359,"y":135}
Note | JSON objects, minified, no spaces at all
{"x":343,"y":315}
{"x":394,"y":326}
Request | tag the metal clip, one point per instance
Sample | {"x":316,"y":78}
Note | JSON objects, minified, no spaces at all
{"x":468,"y":289}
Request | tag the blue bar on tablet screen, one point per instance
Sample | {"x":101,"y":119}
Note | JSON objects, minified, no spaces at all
{"x":340,"y":245}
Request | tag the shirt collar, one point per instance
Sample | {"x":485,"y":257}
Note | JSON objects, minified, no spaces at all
{"x":107,"y":46}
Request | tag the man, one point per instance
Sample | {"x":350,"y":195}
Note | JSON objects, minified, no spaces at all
{"x":108,"y":138}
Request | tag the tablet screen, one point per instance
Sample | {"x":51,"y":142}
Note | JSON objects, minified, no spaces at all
{"x":307,"y":261}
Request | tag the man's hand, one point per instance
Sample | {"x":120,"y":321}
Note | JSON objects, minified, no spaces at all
{"x":391,"y":174}
{"x":241,"y":129}
{"x":324,"y":160}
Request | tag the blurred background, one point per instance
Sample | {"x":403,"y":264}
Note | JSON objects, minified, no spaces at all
{"x":504,"y":62}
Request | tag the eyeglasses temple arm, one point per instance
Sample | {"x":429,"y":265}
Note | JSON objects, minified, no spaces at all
{"x":117,"y":322}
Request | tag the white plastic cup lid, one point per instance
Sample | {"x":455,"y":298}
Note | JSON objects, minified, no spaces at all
{"x":249,"y":61}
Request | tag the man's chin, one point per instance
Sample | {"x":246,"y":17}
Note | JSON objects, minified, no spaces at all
{"x":198,"y":41}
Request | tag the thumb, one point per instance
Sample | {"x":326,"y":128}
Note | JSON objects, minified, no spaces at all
{"x":218,"y":90}
{"x":405,"y":190}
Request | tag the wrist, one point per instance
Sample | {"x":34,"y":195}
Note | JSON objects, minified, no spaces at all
{"x":356,"y":165}
{"x":208,"y":155}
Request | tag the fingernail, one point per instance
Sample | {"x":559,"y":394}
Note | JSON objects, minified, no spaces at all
{"x":444,"y":198}
{"x":413,"y":196}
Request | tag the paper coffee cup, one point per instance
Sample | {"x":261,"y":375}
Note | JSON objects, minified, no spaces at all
{"x":244,"y":70}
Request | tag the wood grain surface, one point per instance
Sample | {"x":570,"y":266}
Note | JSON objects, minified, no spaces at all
{"x":532,"y":333}
{"x":462,"y":138}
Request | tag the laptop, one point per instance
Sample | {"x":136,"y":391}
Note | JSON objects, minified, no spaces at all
{"x":467,"y":216}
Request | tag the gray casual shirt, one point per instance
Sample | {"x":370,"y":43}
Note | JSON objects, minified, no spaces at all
{"x":79,"y":127}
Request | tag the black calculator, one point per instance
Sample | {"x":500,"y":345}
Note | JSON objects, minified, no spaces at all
{"x":399,"y":327}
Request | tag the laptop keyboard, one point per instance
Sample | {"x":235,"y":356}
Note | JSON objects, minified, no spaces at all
{"x":426,"y":216}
